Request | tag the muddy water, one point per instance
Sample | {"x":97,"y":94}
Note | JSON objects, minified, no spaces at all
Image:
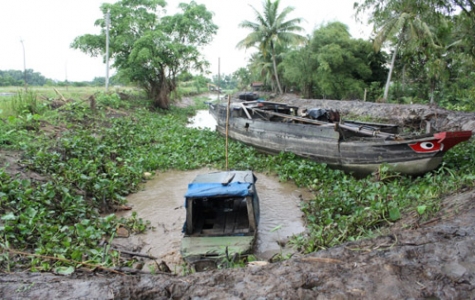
{"x":203,"y":120}
{"x":161,"y":202}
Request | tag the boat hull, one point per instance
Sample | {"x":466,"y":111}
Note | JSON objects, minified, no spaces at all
{"x":194,"y":249}
{"x":338,"y":149}
{"x":222,"y":217}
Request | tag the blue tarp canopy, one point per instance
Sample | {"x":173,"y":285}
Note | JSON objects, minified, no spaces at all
{"x":232,"y":189}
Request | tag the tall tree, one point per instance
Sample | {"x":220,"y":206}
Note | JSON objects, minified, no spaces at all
{"x":243,"y":77}
{"x":403,"y":23}
{"x":270,"y":30}
{"x":333,"y":65}
{"x":149,"y":50}
{"x":263,"y":67}
{"x":298,"y":67}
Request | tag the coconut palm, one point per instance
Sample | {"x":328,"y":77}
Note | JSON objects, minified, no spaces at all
{"x":404,"y":23}
{"x":270,"y":30}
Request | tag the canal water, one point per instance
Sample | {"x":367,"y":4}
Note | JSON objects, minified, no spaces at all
{"x":203,"y":120}
{"x":161,"y":202}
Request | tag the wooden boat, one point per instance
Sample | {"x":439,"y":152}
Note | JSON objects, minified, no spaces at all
{"x":356,"y":147}
{"x":222,"y":216}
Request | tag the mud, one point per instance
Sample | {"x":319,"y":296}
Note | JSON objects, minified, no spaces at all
{"x":435,"y":261}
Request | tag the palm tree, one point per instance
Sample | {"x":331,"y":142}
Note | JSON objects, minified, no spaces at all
{"x":270,"y":30}
{"x":409,"y":30}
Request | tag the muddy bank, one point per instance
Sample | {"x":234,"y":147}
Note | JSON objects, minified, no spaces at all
{"x":435,"y":261}
{"x":414,"y":115}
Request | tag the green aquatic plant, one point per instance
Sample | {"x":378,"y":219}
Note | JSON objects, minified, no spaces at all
{"x":95,"y":159}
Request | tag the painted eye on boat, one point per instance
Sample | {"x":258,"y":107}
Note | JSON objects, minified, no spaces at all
{"x":427,"y":146}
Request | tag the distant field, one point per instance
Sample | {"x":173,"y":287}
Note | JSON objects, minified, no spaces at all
{"x":14,"y":100}
{"x":66,"y":92}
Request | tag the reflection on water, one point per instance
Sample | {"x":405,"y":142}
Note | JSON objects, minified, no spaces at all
{"x":203,"y":120}
{"x":161,"y":202}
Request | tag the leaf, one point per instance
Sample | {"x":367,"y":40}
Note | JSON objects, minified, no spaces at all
{"x":8,"y":217}
{"x":64,"y":270}
{"x":394,"y":214}
{"x":421,"y":209}
{"x":276,"y":228}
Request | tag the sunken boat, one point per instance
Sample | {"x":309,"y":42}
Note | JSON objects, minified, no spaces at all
{"x":321,"y":135}
{"x":222,"y":216}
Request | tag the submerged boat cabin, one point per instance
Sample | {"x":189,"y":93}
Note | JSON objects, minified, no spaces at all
{"x":222,"y":215}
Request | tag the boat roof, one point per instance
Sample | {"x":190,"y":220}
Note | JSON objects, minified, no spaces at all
{"x":222,"y":184}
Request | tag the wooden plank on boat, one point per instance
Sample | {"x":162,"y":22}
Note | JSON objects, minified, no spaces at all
{"x":269,"y":102}
{"x":242,"y":221}
{"x":245,"y":110}
{"x":189,"y":219}
{"x":250,"y":213}
{"x":232,"y":217}
{"x":359,"y":129}
{"x":295,"y":118}
{"x":368,"y":132}
{"x":229,"y":177}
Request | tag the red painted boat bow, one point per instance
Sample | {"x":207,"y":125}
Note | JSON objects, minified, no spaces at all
{"x":442,"y":141}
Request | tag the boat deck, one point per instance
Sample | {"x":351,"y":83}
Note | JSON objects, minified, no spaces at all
{"x":221,"y":218}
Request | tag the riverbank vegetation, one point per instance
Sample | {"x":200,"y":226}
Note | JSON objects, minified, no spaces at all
{"x":87,"y":156}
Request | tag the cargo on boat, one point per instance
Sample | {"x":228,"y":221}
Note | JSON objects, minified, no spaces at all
{"x":321,"y":135}
{"x":222,"y":216}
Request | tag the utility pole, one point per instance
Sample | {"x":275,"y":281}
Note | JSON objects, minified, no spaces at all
{"x":24,"y":64}
{"x":219,"y":77}
{"x":107,"y":49}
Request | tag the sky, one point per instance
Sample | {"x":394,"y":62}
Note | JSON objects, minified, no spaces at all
{"x":38,"y":33}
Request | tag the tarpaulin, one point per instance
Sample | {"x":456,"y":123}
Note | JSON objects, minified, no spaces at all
{"x":232,"y":189}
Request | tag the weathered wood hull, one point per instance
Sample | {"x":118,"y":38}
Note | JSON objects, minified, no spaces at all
{"x":332,"y":145}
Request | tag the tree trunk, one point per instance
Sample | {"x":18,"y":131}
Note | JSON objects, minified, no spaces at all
{"x":307,"y":90}
{"x":432,"y":91}
{"x":160,"y":94}
{"x":160,"y":91}
{"x":274,"y":63}
{"x":386,"y":89}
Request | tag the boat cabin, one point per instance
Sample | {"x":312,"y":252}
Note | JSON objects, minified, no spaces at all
{"x":222,"y":215}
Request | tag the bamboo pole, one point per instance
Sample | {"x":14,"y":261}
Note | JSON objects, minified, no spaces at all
{"x":227,"y":128}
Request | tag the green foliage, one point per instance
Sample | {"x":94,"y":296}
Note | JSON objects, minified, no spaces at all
{"x":89,"y":169}
{"x":23,"y":102}
{"x":432,"y":44}
{"x":17,"y":78}
{"x":272,"y":32}
{"x":111,"y":100}
{"x":298,"y":67}
{"x":151,"y":51}
{"x":135,"y":224}
{"x":243,"y":77}
{"x":346,"y":208}
{"x":332,"y":65}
